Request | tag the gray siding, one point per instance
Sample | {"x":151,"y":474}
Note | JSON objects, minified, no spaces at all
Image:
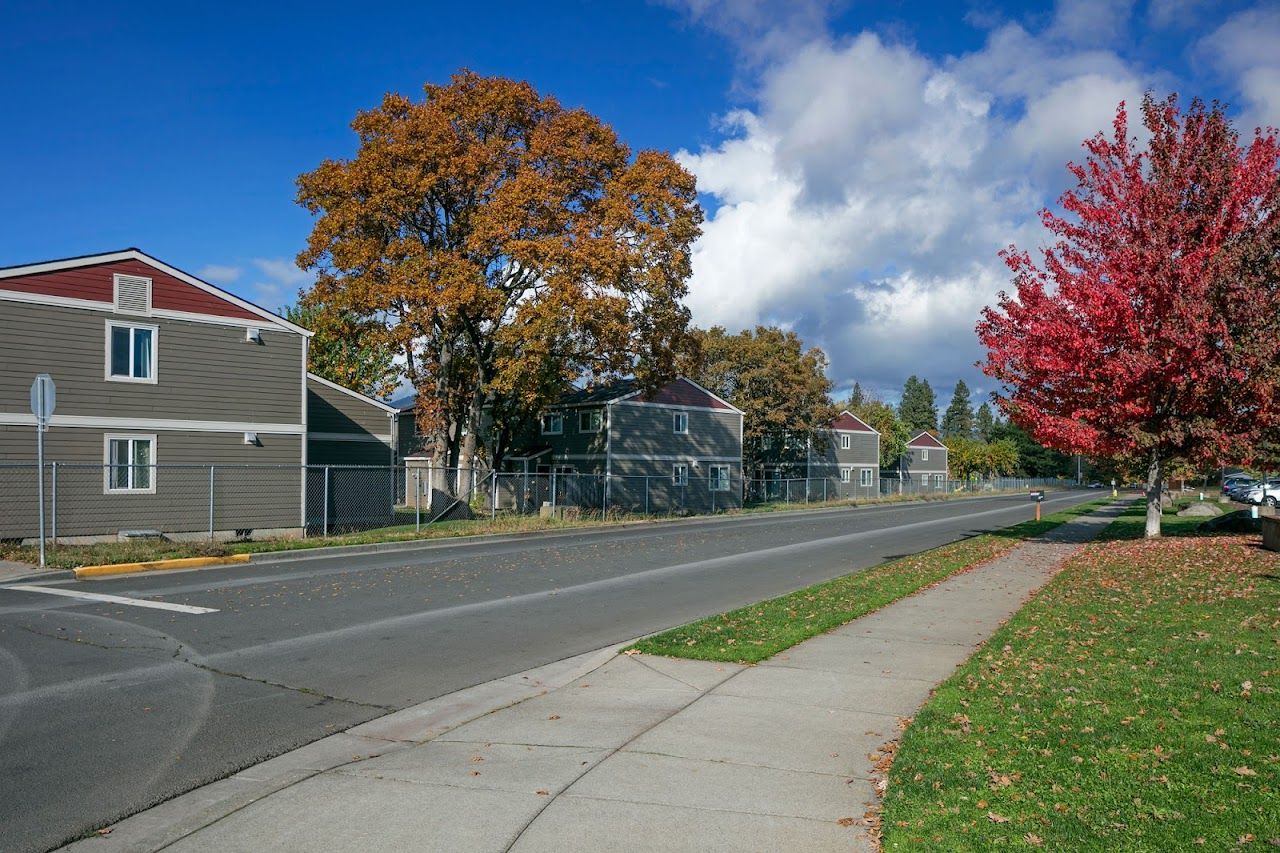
{"x":321,"y":452}
{"x":642,"y":430}
{"x":204,"y":371}
{"x":583,"y":450}
{"x":333,"y":411}
{"x":935,"y":464}
{"x":255,"y":487}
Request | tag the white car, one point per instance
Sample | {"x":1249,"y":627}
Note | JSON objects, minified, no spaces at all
{"x":1263,"y":493}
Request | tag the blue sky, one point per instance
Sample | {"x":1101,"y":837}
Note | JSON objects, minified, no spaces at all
{"x":861,"y":162}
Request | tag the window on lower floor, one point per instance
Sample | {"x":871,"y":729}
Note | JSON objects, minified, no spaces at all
{"x":846,"y":474}
{"x":864,"y":477}
{"x":130,"y":463}
{"x":939,"y":479}
{"x":680,"y":474}
{"x":719,"y":475}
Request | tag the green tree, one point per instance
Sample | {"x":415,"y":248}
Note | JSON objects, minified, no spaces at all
{"x":781,"y":387}
{"x":1002,"y":458}
{"x":958,"y":418}
{"x":894,"y":434}
{"x":918,"y":410}
{"x":966,"y":458}
{"x":984,"y":422}
{"x":347,"y":348}
{"x":856,"y":398}
{"x":1034,"y":459}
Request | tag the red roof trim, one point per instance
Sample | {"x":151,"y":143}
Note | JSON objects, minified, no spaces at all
{"x":925,"y":439}
{"x":849,"y":422}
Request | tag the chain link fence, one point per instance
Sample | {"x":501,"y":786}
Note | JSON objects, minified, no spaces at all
{"x":91,"y":502}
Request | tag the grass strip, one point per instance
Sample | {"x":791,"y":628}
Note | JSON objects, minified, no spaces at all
{"x":1131,"y":705}
{"x":751,"y":634}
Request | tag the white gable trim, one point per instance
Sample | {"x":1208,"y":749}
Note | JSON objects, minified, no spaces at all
{"x":135,"y":255}
{"x":364,"y":398}
{"x":869,"y":427}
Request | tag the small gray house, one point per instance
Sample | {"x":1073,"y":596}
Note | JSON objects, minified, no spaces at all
{"x":925,"y":462}
{"x":181,"y":408}
{"x":679,"y":447}
{"x":848,"y":456}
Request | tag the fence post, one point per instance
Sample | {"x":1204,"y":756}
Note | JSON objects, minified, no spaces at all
{"x":493,"y":496}
{"x":553,"y":487}
{"x":788,"y":491}
{"x":824,"y":489}
{"x":210,"y":503}
{"x":417,"y":500}
{"x":53,"y":509}
{"x":646,"y":494}
{"x":604,"y":497}
{"x":325,"y":529}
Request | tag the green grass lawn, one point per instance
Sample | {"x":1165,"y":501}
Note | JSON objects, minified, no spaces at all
{"x":751,"y":634}
{"x":1132,"y":705}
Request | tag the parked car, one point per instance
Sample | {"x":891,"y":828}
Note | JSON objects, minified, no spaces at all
{"x":1094,"y":485}
{"x":1237,"y":490}
{"x":1232,"y":480}
{"x":1263,"y":493}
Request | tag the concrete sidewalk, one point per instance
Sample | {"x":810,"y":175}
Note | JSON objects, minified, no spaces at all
{"x":623,"y":752}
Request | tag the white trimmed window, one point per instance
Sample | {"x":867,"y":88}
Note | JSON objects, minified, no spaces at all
{"x":591,"y":420}
{"x":679,"y":474}
{"x":845,"y":442}
{"x":680,"y":423}
{"x":846,"y":474}
{"x":864,"y":477}
{"x":939,"y":479}
{"x":924,"y":454}
{"x":552,"y":424}
{"x":719,"y":475}
{"x":131,"y":352}
{"x":130,"y":463}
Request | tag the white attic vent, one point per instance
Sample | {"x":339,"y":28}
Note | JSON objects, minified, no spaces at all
{"x":133,"y":294}
{"x":250,"y":438}
{"x":253,"y":336}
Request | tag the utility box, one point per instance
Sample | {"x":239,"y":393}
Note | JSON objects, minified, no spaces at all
{"x":1271,"y":533}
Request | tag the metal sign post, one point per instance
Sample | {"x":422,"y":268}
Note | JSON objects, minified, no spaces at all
{"x":43,"y":398}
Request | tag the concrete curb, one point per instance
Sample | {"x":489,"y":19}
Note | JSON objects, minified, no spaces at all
{"x":170,"y":821}
{"x":158,"y":565}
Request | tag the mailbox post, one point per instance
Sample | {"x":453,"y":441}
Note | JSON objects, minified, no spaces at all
{"x":1038,"y":497}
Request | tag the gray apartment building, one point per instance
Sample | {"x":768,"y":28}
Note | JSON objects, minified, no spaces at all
{"x":680,"y":446}
{"x":925,"y":462}
{"x":847,"y":455}
{"x":159,"y":376}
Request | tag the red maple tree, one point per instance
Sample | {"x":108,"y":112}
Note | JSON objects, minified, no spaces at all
{"x":1150,"y":331}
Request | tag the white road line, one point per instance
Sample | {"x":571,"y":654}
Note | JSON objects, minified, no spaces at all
{"x":112,"y":599}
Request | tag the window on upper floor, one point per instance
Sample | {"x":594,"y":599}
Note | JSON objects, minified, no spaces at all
{"x":766,"y":442}
{"x":845,"y":442}
{"x":552,"y":424}
{"x":924,"y":454}
{"x":131,"y":352}
{"x":591,"y":420}
{"x":680,"y":423}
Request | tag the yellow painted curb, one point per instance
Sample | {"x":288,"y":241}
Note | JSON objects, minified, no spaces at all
{"x":159,"y":565}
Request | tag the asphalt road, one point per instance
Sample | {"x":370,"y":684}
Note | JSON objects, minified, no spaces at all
{"x":107,"y":708}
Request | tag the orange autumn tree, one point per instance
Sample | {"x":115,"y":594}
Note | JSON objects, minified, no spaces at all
{"x":510,"y":245}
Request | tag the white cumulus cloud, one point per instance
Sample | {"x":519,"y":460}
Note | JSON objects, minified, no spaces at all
{"x":863,"y":199}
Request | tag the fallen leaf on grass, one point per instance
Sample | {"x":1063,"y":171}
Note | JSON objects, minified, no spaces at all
{"x":1244,"y":771}
{"x":997,"y":818}
{"x":1033,"y":839}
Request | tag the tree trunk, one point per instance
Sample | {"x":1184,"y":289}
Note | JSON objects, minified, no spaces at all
{"x":1155,"y":488}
